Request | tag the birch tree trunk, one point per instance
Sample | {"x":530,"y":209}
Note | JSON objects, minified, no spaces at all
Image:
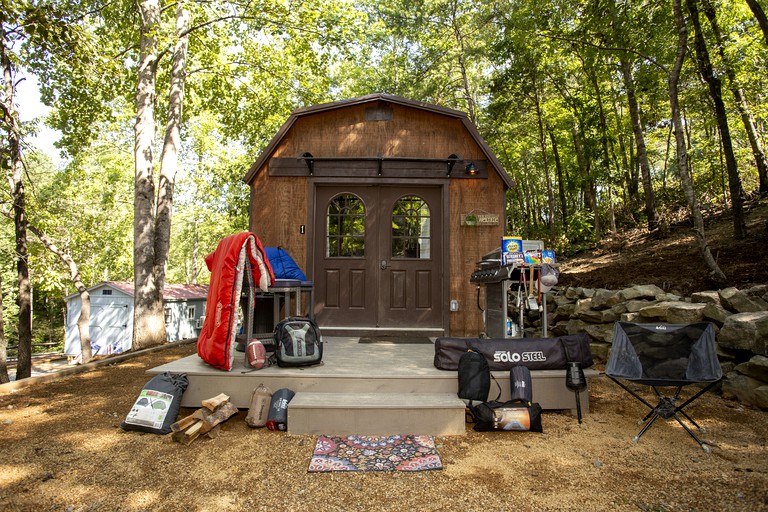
{"x":84,"y":320}
{"x":682,"y":152}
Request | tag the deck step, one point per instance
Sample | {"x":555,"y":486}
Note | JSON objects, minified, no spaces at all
{"x":436,"y":414}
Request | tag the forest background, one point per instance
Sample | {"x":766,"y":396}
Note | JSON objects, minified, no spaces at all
{"x":608,"y":115}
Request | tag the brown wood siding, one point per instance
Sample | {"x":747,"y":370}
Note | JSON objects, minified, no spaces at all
{"x":467,"y":245}
{"x":278,"y":209}
{"x":411,"y":132}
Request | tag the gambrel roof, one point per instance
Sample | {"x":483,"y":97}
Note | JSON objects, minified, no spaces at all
{"x":373,"y":98}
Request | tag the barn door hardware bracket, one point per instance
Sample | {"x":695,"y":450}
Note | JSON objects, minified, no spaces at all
{"x":310,"y":161}
{"x":452,"y":159}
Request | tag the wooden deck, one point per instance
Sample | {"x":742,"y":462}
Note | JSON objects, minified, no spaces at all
{"x":376,"y":379}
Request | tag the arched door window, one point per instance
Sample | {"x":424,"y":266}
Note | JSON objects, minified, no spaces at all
{"x":410,"y":228}
{"x":345,"y":227}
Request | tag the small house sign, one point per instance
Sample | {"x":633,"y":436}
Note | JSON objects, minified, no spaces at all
{"x":479,"y":218}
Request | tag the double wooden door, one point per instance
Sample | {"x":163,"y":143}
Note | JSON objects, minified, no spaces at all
{"x":378,"y":257}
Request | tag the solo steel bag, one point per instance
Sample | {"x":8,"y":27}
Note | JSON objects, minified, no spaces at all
{"x":503,"y":354}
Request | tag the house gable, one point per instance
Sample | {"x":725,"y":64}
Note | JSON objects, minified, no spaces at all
{"x":378,"y":136}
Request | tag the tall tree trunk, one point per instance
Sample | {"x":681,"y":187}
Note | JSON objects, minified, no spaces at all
{"x":171,"y":148}
{"x":639,"y":133}
{"x":560,"y":179}
{"x":760,"y":16}
{"x":682,"y":152}
{"x":588,"y":185}
{"x":715,"y":91}
{"x":472,"y":111}
{"x":148,"y":318}
{"x":741,"y":102}
{"x":84,"y":320}
{"x":626,"y":164}
{"x":18,"y":196}
{"x":4,"y":378}
{"x":545,"y":161}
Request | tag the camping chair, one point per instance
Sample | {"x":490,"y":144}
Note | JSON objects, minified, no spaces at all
{"x":665,"y":356}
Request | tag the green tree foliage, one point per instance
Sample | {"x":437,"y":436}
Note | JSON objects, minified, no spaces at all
{"x":545,"y":81}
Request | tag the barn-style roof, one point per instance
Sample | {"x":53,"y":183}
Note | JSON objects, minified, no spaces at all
{"x":371,"y":98}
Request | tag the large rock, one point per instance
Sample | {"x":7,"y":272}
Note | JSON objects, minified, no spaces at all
{"x":600,"y":332}
{"x":563,"y":312}
{"x":635,"y":305}
{"x":604,"y":299}
{"x":559,"y":329}
{"x":576,"y":292}
{"x":706,"y":297}
{"x":746,"y":389}
{"x":675,"y":312}
{"x":575,"y":326}
{"x":631,"y":317}
{"x":746,"y":331}
{"x":643,"y":291}
{"x":582,"y":306}
{"x":716,"y":313}
{"x":738,"y":301}
{"x":757,"y":368}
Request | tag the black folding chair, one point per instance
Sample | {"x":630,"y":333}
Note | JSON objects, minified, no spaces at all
{"x":665,"y":356}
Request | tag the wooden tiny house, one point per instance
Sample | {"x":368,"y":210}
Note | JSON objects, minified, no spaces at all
{"x":387,"y":205}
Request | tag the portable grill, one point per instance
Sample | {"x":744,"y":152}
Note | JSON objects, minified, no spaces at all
{"x":499,"y":284}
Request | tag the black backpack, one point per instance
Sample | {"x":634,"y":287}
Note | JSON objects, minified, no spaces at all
{"x":474,"y":376}
{"x":298,"y":342}
{"x":474,"y":380}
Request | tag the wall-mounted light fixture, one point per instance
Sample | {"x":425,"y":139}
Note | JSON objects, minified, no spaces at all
{"x":470,"y":169}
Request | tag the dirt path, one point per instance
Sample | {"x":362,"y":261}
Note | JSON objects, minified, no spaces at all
{"x":63,"y":450}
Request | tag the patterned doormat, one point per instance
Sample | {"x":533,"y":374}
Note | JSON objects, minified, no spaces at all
{"x":375,"y":453}
{"x":421,"y":340}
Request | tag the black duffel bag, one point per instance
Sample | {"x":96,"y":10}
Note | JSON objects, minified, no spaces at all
{"x":511,"y":415}
{"x":504,"y":353}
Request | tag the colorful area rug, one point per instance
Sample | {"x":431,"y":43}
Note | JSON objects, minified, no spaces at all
{"x":375,"y":453}
{"x":410,"y":340}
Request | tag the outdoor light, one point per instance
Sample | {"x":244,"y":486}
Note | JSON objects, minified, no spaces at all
{"x":470,"y":169}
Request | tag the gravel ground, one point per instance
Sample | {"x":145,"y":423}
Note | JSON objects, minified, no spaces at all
{"x":63,"y":449}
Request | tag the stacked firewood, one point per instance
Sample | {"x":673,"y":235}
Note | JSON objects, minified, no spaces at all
{"x":205,"y":421}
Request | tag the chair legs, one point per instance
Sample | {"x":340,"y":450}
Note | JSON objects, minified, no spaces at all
{"x":667,"y":408}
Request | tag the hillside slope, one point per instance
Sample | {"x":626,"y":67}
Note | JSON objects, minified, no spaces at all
{"x":673,"y":262}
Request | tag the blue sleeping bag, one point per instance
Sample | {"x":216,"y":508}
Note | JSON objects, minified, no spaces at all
{"x":283,"y":265}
